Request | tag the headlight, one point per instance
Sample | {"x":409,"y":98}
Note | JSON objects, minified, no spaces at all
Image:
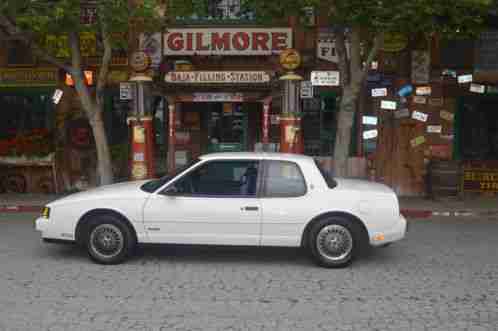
{"x":45,"y":212}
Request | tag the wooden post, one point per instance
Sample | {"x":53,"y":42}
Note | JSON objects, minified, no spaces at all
{"x":171,"y":137}
{"x":266,"y":126}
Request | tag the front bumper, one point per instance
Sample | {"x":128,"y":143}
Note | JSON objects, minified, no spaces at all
{"x":394,"y":233}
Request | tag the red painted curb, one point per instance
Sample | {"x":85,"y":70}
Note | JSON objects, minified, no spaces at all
{"x":20,"y":209}
{"x":415,"y":213}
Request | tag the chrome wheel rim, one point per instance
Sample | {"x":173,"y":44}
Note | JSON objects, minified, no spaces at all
{"x":334,"y":242}
{"x":106,"y":240}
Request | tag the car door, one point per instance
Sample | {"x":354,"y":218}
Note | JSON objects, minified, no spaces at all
{"x":215,"y":203}
{"x":285,"y":203}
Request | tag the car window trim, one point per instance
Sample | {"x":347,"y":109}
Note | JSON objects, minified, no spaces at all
{"x":229,"y":196}
{"x":266,"y":163}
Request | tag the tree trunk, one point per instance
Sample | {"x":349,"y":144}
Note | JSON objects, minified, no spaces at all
{"x":104,"y":163}
{"x":343,"y":134}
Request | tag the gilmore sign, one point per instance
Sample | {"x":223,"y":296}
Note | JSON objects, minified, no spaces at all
{"x":228,"y":41}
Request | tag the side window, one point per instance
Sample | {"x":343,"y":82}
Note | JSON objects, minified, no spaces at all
{"x":221,"y":178}
{"x":284,"y":179}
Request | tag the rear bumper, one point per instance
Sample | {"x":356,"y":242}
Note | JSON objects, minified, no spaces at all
{"x":395,"y":233}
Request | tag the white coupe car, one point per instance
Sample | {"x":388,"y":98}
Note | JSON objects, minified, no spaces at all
{"x":247,"y":199}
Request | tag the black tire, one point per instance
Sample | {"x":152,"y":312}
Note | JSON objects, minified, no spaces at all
{"x":334,"y":242}
{"x":109,"y":240}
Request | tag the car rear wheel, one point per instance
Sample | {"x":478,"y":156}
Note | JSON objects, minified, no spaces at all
{"x":334,"y":242}
{"x":109,"y":241}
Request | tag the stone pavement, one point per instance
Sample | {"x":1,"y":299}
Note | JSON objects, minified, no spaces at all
{"x":410,"y":207}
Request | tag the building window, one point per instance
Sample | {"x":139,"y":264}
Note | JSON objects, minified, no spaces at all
{"x":224,"y":9}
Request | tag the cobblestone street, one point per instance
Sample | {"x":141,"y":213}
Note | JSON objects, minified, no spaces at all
{"x":443,"y":276}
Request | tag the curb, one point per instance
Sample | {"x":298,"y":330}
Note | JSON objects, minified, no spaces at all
{"x":20,"y":209}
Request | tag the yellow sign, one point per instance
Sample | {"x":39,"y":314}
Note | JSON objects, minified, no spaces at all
{"x":290,"y":59}
{"x":12,"y":77}
{"x":480,"y":180}
{"x":394,"y":42}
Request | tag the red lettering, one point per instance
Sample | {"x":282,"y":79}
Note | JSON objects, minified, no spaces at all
{"x":175,"y":41}
{"x":278,"y":41}
{"x":240,"y":41}
{"x":189,"y":41}
{"x":260,"y":41}
{"x":220,"y":43}
{"x":199,"y":45}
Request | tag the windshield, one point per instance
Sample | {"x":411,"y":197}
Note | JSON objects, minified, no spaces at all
{"x":154,"y":184}
{"x":326,"y":175}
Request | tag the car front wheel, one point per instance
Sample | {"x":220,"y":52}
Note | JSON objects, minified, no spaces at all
{"x":333,"y":242}
{"x":109,"y":241}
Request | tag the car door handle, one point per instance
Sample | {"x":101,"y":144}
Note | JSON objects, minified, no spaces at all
{"x":250,"y":208}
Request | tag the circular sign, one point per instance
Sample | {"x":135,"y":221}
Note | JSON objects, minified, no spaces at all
{"x":139,"y":61}
{"x":290,"y":59}
{"x":394,"y":42}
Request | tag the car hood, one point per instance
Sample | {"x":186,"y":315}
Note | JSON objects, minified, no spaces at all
{"x":120,"y":190}
{"x":363,"y":186}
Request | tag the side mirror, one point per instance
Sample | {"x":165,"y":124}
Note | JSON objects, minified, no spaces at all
{"x":170,"y":191}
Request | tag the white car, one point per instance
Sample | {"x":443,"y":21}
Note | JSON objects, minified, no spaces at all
{"x":246,"y":199}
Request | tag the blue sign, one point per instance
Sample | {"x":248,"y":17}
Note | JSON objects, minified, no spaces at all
{"x":405,"y":91}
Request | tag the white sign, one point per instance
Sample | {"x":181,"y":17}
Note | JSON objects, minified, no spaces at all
{"x":423,"y":90}
{"x":370,"y":134}
{"x":217,"y":77}
{"x":57,"y":96}
{"x":446,"y":115}
{"x":422,"y":117}
{"x":138,"y":157}
{"x":226,"y":41}
{"x":369,"y":120}
{"x":306,"y":90}
{"x":391,"y":105}
{"x":125,"y":91}
{"x":477,"y":88}
{"x":434,"y":128}
{"x":420,"y":100}
{"x":150,"y":43}
{"x":464,"y":79}
{"x":326,"y":50}
{"x":218,"y":97}
{"x":325,"y":78}
{"x":379,"y":92}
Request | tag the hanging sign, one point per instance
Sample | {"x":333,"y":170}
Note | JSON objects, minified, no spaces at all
{"x":464,"y":79}
{"x":420,"y":100}
{"x":446,"y":115}
{"x":394,"y":42}
{"x":402,"y":113}
{"x":369,"y":120}
{"x":419,"y":116}
{"x":370,"y":134}
{"x":125,"y":91}
{"x":391,"y":105}
{"x":405,"y":91}
{"x":477,"y":88}
{"x":226,"y":41}
{"x":449,"y":73}
{"x":306,"y":90}
{"x":57,"y":96}
{"x":434,"y":128}
{"x":423,"y":90}
{"x":379,"y":92}
{"x":436,"y":102}
{"x":417,"y":141}
{"x":217,"y":77}
{"x":325,"y":78}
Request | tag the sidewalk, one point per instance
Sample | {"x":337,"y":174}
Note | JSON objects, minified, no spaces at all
{"x":410,"y":207}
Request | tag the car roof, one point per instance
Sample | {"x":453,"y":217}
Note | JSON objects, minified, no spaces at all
{"x":257,"y":155}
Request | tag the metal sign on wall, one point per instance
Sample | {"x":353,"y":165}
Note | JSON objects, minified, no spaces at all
{"x":217,"y":77}
{"x":480,"y":180}
{"x":325,"y":78}
{"x":226,"y":41}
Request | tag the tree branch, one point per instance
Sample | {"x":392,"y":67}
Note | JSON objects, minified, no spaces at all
{"x":377,"y":44}
{"x":13,"y":30}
